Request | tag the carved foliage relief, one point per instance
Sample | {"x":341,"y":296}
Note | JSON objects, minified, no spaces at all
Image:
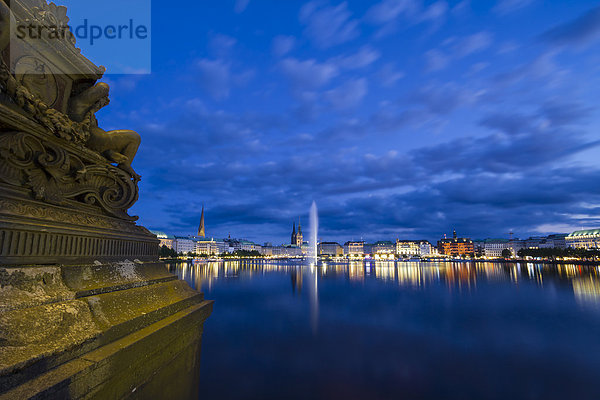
{"x":57,"y":176}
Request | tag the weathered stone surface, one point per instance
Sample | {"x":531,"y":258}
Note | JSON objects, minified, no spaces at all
{"x":27,"y":287}
{"x":135,"y":362}
{"x":32,"y":333}
{"x":97,"y":278}
{"x":93,"y":308}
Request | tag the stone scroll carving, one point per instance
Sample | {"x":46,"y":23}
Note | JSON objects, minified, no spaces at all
{"x":57,"y":176}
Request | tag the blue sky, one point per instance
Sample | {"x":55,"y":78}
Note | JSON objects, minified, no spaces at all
{"x":400,"y":118}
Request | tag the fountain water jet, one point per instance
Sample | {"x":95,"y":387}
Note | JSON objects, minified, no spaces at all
{"x":312,"y":240}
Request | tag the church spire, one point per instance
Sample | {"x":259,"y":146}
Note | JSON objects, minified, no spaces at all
{"x":299,"y":238}
{"x":201,"y":232}
{"x":293,"y":241}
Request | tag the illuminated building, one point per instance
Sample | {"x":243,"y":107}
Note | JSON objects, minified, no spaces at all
{"x":426,"y":249}
{"x":586,"y":239}
{"x":211,"y":246}
{"x":354,"y":248}
{"x":383,"y":247}
{"x":494,"y":247}
{"x":330,"y":249}
{"x":456,"y":246}
{"x":407,"y":248}
{"x":184,"y":245}
{"x":165,"y":240}
{"x":410,"y":248}
{"x":242,"y":244}
{"x":286,"y":251}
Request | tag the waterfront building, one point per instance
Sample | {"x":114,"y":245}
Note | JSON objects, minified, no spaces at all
{"x":223,"y":247}
{"x":287,"y":251}
{"x":479,"y":247}
{"x":493,"y":247}
{"x":382,"y":250}
{"x":354,"y":249}
{"x":585,"y":239}
{"x":559,"y":241}
{"x":330,"y":249}
{"x":516,"y":245}
{"x":184,"y":244}
{"x":383,"y":247}
{"x":456,"y":247}
{"x":165,"y":239}
{"x":426,"y":249}
{"x":242,"y":244}
{"x":546,"y":242}
{"x":210,"y":247}
{"x":407,"y":248}
{"x":267,"y":250}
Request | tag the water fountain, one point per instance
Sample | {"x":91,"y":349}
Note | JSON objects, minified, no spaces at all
{"x":312,"y":240}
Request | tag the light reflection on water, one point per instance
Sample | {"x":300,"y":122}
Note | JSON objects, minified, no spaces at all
{"x":399,"y":330}
{"x":460,"y":276}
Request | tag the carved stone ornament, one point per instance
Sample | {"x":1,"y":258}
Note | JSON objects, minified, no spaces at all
{"x":56,"y":176}
{"x":56,"y":122}
{"x":42,"y":13}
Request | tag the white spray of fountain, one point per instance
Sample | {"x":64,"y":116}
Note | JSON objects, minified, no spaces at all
{"x":312,"y":240}
{"x":312,"y":272}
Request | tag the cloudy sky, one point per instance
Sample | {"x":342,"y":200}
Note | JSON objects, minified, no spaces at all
{"x":402,"y":118}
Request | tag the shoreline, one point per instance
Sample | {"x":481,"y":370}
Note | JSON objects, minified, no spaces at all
{"x":370,"y":260}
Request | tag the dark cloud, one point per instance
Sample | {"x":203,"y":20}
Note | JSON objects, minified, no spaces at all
{"x":511,"y":124}
{"x":578,"y":31}
{"x":560,"y":113}
{"x":442,"y":98}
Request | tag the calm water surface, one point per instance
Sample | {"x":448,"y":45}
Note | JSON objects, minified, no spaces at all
{"x":399,"y":330}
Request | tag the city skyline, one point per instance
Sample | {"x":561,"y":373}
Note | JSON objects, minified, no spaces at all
{"x":304,"y":239}
{"x":399,"y":118}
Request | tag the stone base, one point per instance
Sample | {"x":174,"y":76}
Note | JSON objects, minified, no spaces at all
{"x":99,"y":331}
{"x":34,"y":233}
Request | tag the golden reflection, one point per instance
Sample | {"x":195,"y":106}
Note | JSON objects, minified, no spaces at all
{"x":459,"y":276}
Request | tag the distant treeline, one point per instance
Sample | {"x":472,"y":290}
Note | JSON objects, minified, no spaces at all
{"x":559,"y":253}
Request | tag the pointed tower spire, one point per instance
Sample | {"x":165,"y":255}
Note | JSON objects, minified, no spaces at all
{"x":299,"y":238}
{"x":293,"y":241}
{"x":201,"y":232}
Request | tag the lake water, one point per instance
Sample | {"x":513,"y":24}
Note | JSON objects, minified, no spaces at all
{"x":399,"y":330}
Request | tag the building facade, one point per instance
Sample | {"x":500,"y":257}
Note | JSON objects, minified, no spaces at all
{"x":211,"y":247}
{"x":407,"y":248}
{"x":585,"y":239}
{"x":354,"y":249}
{"x":426,"y":249}
{"x":184,"y":244}
{"x":330,"y":249}
{"x":493,"y":247}
{"x":456,"y":247}
{"x":165,"y":239}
